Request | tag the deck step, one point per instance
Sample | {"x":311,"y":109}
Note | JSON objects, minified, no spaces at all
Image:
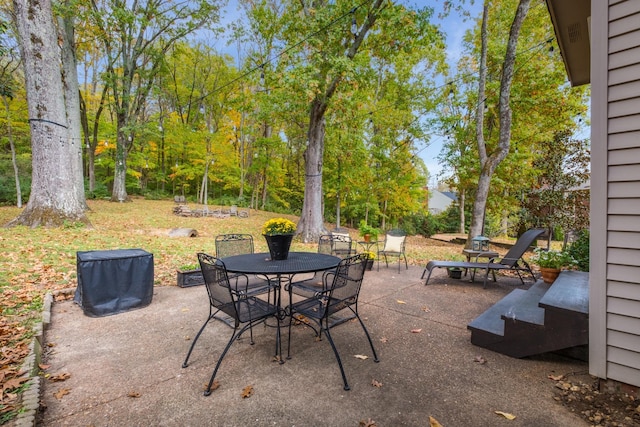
{"x":569,"y":292}
{"x":519,"y":304}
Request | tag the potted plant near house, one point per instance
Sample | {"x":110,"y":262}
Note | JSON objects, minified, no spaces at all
{"x":189,"y":275}
{"x":368,"y":232}
{"x":551,"y":262}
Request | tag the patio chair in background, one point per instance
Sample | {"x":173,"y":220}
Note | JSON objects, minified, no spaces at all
{"x":512,"y":260}
{"x":393,"y":246}
{"x":236,"y":302}
{"x":309,"y":286}
{"x":342,"y":244}
{"x":339,"y":292}
{"x":239,"y":244}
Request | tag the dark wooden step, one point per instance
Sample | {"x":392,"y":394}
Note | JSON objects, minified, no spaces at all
{"x":519,"y":304}
{"x":570,"y":292}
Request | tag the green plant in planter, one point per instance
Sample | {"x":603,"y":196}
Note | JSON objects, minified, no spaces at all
{"x":365,"y":229}
{"x":552,"y":259}
{"x":189,"y":267}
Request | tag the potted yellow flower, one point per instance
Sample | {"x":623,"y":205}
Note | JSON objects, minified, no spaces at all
{"x":370,"y":256}
{"x":278,"y":232}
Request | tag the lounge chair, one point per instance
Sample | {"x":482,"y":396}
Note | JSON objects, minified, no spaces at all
{"x":511,"y":261}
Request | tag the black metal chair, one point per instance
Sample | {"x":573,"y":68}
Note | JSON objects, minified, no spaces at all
{"x":238,"y":244}
{"x":393,"y":246}
{"x":246,"y":310}
{"x":309,"y":286}
{"x":342,"y":245}
{"x":340,"y":291}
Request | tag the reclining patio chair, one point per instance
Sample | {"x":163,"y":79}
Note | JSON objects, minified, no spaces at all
{"x":393,"y":246}
{"x":339,"y":292}
{"x":512,"y":260}
{"x":246,"y":310}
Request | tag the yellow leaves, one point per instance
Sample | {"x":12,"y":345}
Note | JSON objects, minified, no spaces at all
{"x":433,"y":422}
{"x":506,"y":415}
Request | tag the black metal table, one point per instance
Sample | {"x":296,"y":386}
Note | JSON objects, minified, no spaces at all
{"x":261,"y":264}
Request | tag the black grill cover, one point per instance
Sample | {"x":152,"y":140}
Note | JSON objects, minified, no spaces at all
{"x":114,"y":281}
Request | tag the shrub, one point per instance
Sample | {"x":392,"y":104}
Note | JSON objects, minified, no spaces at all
{"x":579,"y":250}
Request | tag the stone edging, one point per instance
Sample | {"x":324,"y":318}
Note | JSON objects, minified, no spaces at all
{"x":31,"y":395}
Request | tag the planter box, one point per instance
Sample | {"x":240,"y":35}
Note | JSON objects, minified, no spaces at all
{"x":190,"y":278}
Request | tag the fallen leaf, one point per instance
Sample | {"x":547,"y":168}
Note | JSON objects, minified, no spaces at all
{"x":58,"y":395}
{"x":43,"y":366}
{"x":506,"y":415}
{"x":425,"y":309}
{"x":481,"y":360}
{"x":400,"y":302}
{"x":247,"y":391}
{"x":367,"y":423}
{"x":60,"y":377}
{"x":375,"y":383}
{"x":214,"y":386}
{"x":416,"y":331}
{"x":433,"y":422}
{"x":556,"y":377}
{"x":383,"y":339}
{"x":133,"y":394}
{"x":361,"y":356}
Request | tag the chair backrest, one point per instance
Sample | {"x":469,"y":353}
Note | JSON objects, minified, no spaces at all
{"x":394,"y":241}
{"x":520,"y":247}
{"x":216,"y":281}
{"x":233,"y":244}
{"x":342,"y":243}
{"x":347,"y":281}
{"x":324,"y":244}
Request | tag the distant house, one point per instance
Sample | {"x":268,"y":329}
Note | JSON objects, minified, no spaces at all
{"x":439,"y":201}
{"x":600,"y":44}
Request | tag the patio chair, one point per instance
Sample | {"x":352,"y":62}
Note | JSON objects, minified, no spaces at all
{"x":340,"y":291}
{"x":238,"y":244}
{"x":512,"y":260}
{"x":309,"y":286}
{"x":246,"y":310}
{"x":342,"y":244}
{"x":393,"y":246}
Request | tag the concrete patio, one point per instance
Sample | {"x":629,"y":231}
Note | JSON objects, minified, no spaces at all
{"x":125,"y":369}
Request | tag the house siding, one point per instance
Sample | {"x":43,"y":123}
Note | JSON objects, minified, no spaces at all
{"x":615,"y":278}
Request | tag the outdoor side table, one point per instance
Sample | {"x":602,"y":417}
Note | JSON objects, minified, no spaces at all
{"x":113,"y":281}
{"x":470,"y":253}
{"x":368,"y":245}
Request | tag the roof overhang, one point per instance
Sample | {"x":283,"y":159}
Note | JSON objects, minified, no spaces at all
{"x":571,"y":22}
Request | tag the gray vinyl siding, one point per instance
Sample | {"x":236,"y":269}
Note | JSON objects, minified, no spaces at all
{"x":622,"y":269}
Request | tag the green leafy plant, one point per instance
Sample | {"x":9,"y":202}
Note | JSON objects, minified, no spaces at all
{"x":579,"y":250}
{"x":189,"y":267}
{"x":552,"y":258}
{"x":365,"y":229}
{"x":278,"y":226}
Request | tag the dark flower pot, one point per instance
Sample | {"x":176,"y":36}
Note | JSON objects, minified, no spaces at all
{"x":455,"y":273}
{"x":369,"y":264}
{"x":279,"y":245}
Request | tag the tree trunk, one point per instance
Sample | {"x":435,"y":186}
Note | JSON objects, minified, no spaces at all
{"x":488,"y":163}
{"x":54,"y":195}
{"x":311,"y":224}
{"x":119,"y":193}
{"x":462,"y":207}
{"x":72,"y":102}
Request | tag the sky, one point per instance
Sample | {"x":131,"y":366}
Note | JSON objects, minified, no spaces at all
{"x":454,"y":28}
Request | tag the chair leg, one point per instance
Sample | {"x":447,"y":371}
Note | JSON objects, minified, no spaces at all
{"x":193,"y":343}
{"x":335,"y":351}
{"x":366,"y":332}
{"x":234,"y":337}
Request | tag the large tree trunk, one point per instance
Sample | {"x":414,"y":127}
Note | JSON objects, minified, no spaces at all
{"x":72,"y":102}
{"x":311,"y":224}
{"x":54,"y":196}
{"x":488,"y":163}
{"x":119,"y":192}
